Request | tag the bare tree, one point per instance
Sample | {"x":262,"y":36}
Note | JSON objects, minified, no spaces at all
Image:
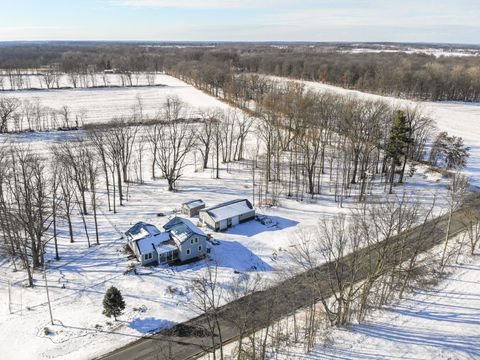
{"x":206,"y":134}
{"x":207,"y":297}
{"x":176,"y":139}
{"x":237,"y":296}
{"x":8,"y":106}
{"x":456,"y":195}
{"x":471,"y":220}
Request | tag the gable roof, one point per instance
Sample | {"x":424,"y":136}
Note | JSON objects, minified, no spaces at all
{"x":193,"y":204}
{"x":229,"y":209}
{"x":181,"y":229}
{"x":177,"y":221}
{"x":141,"y":230}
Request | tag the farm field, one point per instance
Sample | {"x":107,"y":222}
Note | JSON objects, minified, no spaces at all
{"x":100,"y":105}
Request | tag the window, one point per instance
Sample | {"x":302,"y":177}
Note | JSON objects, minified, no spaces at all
{"x":200,"y":248}
{"x":148,"y":256}
{"x":191,"y":241}
{"x":188,"y":251}
{"x":196,"y":240}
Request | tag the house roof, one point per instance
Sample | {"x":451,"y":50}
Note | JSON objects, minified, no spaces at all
{"x":181,"y":229}
{"x":149,"y":243}
{"x":177,"y":221}
{"x":230,"y":209}
{"x":141,"y":230}
{"x":193,"y":204}
{"x":164,"y":248}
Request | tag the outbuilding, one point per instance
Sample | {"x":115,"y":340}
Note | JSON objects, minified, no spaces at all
{"x":193,"y":207}
{"x":228,"y":214}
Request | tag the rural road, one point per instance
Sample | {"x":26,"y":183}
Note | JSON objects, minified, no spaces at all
{"x":186,"y":341}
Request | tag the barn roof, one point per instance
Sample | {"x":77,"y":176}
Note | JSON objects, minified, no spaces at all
{"x":230,"y":209}
{"x":193,"y":204}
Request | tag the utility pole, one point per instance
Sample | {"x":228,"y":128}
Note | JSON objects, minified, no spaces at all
{"x":253,"y":182}
{"x":48,"y":295}
{"x":46,"y":287}
{"x":9,"y":298}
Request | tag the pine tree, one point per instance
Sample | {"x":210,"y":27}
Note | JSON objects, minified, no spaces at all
{"x":398,"y":142}
{"x":113,"y":303}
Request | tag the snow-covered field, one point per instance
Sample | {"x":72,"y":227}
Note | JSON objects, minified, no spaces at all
{"x":428,"y":51}
{"x":458,"y":119}
{"x":102,"y":104}
{"x":158,"y":296}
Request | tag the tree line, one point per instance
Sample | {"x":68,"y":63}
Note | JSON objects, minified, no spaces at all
{"x":416,"y":75}
{"x":17,"y":116}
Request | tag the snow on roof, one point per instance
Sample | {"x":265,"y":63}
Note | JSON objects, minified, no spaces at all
{"x":164,"y":248}
{"x":193,"y":204}
{"x":141,"y":230}
{"x":186,"y":225}
{"x":148,"y":244}
{"x":230,"y":209}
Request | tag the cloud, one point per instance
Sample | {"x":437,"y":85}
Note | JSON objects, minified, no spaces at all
{"x":195,"y":4}
{"x":207,"y":4}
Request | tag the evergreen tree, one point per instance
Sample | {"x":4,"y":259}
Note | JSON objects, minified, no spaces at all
{"x":449,"y":152}
{"x":113,"y":303}
{"x":398,"y":143}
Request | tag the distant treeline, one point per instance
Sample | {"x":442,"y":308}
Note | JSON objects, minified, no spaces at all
{"x":418,"y":76}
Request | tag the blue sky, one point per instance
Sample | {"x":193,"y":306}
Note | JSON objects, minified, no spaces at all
{"x":236,"y":20}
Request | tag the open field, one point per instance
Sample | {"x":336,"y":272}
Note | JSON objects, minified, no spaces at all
{"x":101,"y":105}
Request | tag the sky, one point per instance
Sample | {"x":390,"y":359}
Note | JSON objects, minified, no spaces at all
{"x":443,"y":21}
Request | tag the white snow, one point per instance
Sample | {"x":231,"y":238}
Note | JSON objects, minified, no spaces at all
{"x":428,"y":51}
{"x":101,"y":105}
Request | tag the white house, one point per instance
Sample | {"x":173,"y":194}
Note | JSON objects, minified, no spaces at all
{"x":227,"y":214}
{"x":191,"y":242}
{"x":182,"y":241}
